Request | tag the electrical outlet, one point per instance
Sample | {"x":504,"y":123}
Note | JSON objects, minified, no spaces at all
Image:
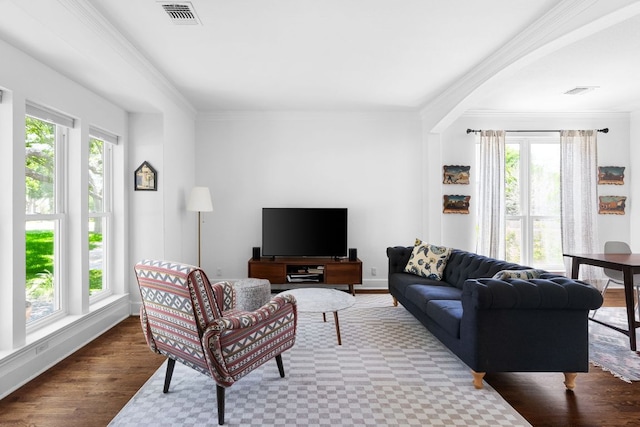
{"x":42,"y":347}
{"x":374,"y":271}
{"x":219,"y":272}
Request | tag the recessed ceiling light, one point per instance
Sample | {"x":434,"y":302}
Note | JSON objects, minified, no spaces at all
{"x":580,"y":90}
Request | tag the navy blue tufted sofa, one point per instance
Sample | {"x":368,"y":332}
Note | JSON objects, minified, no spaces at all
{"x":512,"y":325}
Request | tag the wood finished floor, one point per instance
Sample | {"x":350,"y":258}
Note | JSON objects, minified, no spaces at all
{"x":91,"y":386}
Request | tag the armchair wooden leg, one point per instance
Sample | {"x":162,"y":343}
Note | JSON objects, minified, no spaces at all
{"x":280,"y":365}
{"x":395,"y":302}
{"x":570,"y":380}
{"x":477,"y":378}
{"x":167,"y":377}
{"x":220,"y":397}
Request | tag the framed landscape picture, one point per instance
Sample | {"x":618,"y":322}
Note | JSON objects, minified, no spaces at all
{"x":456,"y":204}
{"x":455,"y":174}
{"x":612,"y":205}
{"x":611,"y":175}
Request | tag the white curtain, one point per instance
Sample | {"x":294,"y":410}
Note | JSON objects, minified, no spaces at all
{"x":491,"y":198}
{"x":579,"y":198}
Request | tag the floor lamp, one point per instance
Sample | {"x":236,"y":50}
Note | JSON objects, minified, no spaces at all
{"x":199,"y":201}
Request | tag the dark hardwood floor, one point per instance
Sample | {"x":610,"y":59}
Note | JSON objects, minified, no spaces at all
{"x":91,"y":386}
{"x":87,"y":388}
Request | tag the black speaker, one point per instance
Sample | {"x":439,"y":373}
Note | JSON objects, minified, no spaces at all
{"x":353,"y":254}
{"x":256,"y":252}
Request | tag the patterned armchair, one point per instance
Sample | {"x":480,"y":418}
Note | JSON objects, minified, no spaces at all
{"x":189,"y":320}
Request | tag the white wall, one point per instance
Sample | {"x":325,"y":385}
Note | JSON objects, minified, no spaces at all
{"x":614,"y":149}
{"x":146,"y":207}
{"x":160,"y":227}
{"x":177,"y":181}
{"x":368,"y":163}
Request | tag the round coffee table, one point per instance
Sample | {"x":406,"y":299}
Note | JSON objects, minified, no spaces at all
{"x":319,"y":300}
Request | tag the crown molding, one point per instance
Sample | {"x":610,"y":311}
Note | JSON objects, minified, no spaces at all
{"x":567,"y":22}
{"x":93,"y":20}
{"x":283,"y":115}
{"x":545,"y":114}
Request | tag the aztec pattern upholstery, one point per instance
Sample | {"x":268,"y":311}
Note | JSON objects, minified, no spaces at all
{"x":191,"y":321}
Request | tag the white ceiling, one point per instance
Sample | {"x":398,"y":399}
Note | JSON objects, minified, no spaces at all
{"x":333,"y":54}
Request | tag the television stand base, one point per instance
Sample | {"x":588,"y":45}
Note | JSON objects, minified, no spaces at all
{"x":307,"y":271}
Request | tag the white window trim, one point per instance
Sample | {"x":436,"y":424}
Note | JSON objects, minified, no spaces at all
{"x":524,"y":141}
{"x":49,"y":115}
{"x":60,"y":221}
{"x":107,"y":212}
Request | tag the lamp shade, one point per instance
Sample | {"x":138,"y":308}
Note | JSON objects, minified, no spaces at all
{"x":200,"y":200}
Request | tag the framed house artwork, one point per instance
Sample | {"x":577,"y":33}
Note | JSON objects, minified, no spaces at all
{"x":456,"y":204}
{"x":611,"y":175}
{"x":455,"y":174}
{"x":612,"y":205}
{"x":145,"y":178}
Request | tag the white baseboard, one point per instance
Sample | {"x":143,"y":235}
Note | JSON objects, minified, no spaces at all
{"x":26,"y":363}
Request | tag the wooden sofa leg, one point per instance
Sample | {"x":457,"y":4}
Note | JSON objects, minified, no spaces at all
{"x":395,"y":302}
{"x":570,"y":380}
{"x":477,"y":378}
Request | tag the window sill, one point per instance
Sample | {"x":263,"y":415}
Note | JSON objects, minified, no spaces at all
{"x":36,"y":340}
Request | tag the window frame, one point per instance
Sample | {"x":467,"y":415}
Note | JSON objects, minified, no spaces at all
{"x":60,"y":219}
{"x":106,"y":214}
{"x":525,"y":216}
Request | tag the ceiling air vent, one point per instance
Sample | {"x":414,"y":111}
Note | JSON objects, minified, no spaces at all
{"x":181,"y":13}
{"x":580,"y":90}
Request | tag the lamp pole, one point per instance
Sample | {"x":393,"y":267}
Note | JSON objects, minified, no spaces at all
{"x":199,"y":237}
{"x":200,"y":201}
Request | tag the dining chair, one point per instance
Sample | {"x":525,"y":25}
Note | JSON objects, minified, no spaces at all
{"x":616,"y":276}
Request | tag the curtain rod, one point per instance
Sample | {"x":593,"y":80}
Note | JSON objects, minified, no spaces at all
{"x":604,"y":130}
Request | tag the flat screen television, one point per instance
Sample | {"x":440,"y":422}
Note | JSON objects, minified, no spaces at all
{"x":304,"y":232}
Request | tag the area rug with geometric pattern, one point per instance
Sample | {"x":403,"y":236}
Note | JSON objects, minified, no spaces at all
{"x":609,"y":349}
{"x":389,"y":371}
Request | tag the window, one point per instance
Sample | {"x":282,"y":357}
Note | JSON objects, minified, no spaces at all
{"x":532,"y":199}
{"x":100,"y":213}
{"x":45,"y":218}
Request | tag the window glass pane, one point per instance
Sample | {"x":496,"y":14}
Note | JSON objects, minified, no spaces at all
{"x":512,"y":179}
{"x":547,"y":242}
{"x":40,"y":167}
{"x":544,"y":179}
{"x":514,"y":240}
{"x":43,"y":221}
{"x":96,"y":255}
{"x":41,"y":289}
{"x":99,"y":215}
{"x":96,"y":175}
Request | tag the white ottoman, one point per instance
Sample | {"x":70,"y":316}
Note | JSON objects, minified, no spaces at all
{"x":252,"y":294}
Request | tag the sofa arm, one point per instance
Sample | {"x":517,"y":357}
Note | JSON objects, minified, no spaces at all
{"x":398,"y":258}
{"x":552,"y":293}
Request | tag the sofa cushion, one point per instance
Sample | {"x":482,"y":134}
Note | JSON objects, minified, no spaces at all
{"x":464,"y":265}
{"x":401,"y":282}
{"x":428,"y":260}
{"x":530,"y":273}
{"x":420,"y":295}
{"x":447,"y":314}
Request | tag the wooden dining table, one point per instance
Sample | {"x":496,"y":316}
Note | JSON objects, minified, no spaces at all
{"x":629,"y":264}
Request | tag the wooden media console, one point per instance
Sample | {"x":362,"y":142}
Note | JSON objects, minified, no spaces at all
{"x":321,"y":271}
